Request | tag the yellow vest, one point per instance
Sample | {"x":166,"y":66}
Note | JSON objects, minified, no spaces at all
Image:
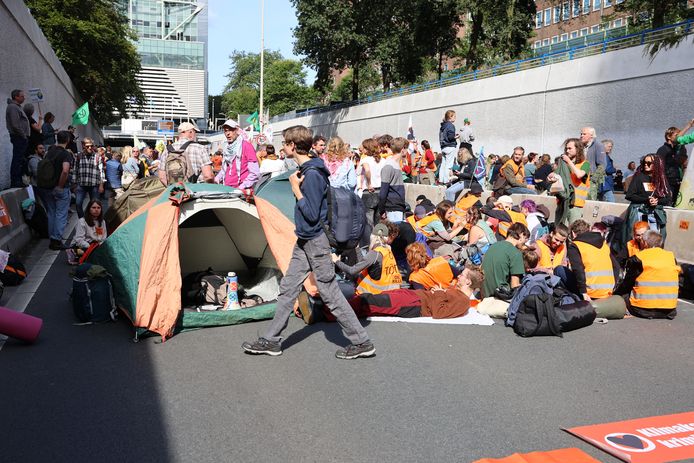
{"x":419,"y":225}
{"x":598,"y":266}
{"x":581,"y":188}
{"x":632,"y":248}
{"x":547,"y":260}
{"x":657,"y":286}
{"x":390,"y":275}
{"x":518,"y":171}
{"x":463,"y":204}
{"x":516,"y":217}
{"x":437,"y":272}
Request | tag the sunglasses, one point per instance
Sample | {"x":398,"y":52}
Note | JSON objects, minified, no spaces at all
{"x":89,"y":146}
{"x":647,"y":163}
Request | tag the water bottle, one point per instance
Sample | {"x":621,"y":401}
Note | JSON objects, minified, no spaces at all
{"x":232,"y":292}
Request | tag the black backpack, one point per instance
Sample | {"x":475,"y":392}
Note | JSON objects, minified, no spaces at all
{"x":47,"y":175}
{"x":537,"y":316}
{"x":92,"y":295}
{"x":15,"y":272}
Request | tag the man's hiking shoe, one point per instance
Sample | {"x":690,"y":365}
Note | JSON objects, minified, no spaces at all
{"x":366,"y":349}
{"x":262,"y":346}
{"x":306,"y":308}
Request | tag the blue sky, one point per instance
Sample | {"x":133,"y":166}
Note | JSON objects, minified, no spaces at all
{"x":235,"y":25}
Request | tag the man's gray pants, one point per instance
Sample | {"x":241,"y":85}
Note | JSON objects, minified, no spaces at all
{"x":314,"y":255}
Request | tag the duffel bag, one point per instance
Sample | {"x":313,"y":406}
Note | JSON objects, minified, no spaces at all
{"x":611,"y":308}
{"x":574,"y":316}
{"x":537,"y":316}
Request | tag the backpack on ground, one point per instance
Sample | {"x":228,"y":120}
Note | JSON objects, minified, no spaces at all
{"x":204,"y":288}
{"x":214,"y":289}
{"x":92,"y":294}
{"x":178,"y":166}
{"x":536,"y":316}
{"x":35,"y":216}
{"x":14,"y":273}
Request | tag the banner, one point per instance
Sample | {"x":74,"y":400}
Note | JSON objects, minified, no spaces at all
{"x":655,"y":439}
{"x":36,"y":95}
{"x":685,"y":199}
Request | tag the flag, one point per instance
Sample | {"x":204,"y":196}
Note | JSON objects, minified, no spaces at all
{"x":137,"y":143}
{"x":81,"y":116}
{"x":480,"y":168}
{"x":410,"y":130}
{"x":255,"y":120}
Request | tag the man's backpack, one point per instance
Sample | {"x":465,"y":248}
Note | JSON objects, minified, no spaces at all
{"x":14,"y":273}
{"x":537,"y":316}
{"x":92,"y":294}
{"x":346,"y":223}
{"x":46,"y":173}
{"x":178,"y":166}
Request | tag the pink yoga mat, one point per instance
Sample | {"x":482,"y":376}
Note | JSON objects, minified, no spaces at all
{"x":19,"y":325}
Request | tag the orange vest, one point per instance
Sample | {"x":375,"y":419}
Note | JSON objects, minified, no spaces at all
{"x":632,"y":248}
{"x":419,"y":225}
{"x":547,"y":260}
{"x":516,"y":217}
{"x":437,"y":272}
{"x":657,"y":286}
{"x":598,"y":266}
{"x":463,"y":204}
{"x":581,"y":188}
{"x":390,"y":275}
{"x":518,"y":171}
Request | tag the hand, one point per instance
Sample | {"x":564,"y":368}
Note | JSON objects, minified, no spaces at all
{"x":566,"y":158}
{"x":437,"y":288}
{"x":295,"y":180}
{"x":653,"y":201}
{"x":371,"y":189}
{"x":335,"y":257}
{"x":586,"y":297}
{"x":552,"y":177}
{"x":532,"y":187}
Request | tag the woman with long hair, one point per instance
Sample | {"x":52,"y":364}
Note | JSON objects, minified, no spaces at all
{"x":544,"y":168}
{"x":441,"y":226}
{"x":427,"y":165}
{"x":428,"y":273}
{"x":574,"y":170}
{"x":465,"y":176}
{"x":90,"y":231}
{"x":448,"y":139}
{"x":336,"y":158}
{"x":131,"y":166}
{"x":648,"y":192}
{"x":369,"y":172}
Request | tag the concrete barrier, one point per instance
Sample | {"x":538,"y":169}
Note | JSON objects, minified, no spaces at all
{"x":680,"y":223}
{"x":15,"y":236}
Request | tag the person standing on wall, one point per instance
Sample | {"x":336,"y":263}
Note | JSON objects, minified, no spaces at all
{"x":19,"y":130}
{"x":448,"y":141}
{"x":606,"y":190}
{"x":596,"y":157}
{"x":466,"y":136}
{"x":672,"y":153}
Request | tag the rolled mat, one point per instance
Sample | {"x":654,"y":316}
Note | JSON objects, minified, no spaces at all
{"x":19,"y":325}
{"x":612,"y":308}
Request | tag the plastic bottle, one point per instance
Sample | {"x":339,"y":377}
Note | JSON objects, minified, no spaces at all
{"x":232,"y":292}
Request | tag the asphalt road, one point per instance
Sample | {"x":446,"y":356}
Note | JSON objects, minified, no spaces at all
{"x":433,"y":393}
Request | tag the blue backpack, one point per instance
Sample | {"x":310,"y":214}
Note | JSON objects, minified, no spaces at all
{"x":92,"y":294}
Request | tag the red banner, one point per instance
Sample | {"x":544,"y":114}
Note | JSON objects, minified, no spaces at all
{"x":655,"y":439}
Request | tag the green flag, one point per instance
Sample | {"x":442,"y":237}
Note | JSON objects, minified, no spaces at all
{"x":81,"y":116}
{"x":253,"y":119}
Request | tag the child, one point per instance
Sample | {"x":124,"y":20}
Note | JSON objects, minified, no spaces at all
{"x":90,"y":230}
{"x":311,"y":253}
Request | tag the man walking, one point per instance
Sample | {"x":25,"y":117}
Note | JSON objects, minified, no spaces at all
{"x":88,"y":176}
{"x":51,"y":188}
{"x":18,"y":127}
{"x":311,"y":254}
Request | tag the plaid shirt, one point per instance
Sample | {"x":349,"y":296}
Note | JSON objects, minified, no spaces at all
{"x":196,"y":154}
{"x":88,"y":170}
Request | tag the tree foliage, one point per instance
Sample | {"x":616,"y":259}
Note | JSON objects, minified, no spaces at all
{"x":94,"y":43}
{"x":285,"y":86}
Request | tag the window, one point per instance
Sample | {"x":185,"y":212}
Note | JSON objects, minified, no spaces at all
{"x":538,"y":20}
{"x":586,"y":6}
{"x":545,"y":42}
{"x":538,"y":44}
{"x":574,"y":34}
{"x":548,"y":16}
{"x":445,"y":67}
{"x":595,"y":29}
{"x":584,"y":31}
{"x":576,"y":11}
{"x":617,"y":23}
{"x":557,"y":14}
{"x":564,"y":37}
{"x":619,"y":1}
{"x":608,"y":3}
{"x":566,"y":13}
{"x":555,"y":39}
{"x":597,"y":4}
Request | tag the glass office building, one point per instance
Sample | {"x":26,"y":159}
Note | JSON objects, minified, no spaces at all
{"x":172,"y":41}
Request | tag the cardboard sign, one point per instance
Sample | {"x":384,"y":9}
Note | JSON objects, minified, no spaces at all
{"x":36,"y":95}
{"x":647,"y":440}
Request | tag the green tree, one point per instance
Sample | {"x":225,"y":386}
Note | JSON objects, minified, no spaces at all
{"x":285,"y":85}
{"x":96,"y":47}
{"x":370,"y":81}
{"x":652,"y":14}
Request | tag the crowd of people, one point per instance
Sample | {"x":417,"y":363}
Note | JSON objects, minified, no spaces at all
{"x":433,"y":260}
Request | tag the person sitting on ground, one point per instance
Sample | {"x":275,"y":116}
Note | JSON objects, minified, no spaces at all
{"x":469,"y":199}
{"x":427,"y":272}
{"x":90,"y":230}
{"x":427,"y":165}
{"x":378,"y":271}
{"x":511,"y":180}
{"x":503,"y":215}
{"x":503,"y":262}
{"x":594,"y":270}
{"x":464,"y":177}
{"x":637,"y":244}
{"x":441,"y":227}
{"x":551,"y":249}
{"x":531,"y":261}
{"x":272,"y":164}
{"x":479,"y":237}
{"x":651,"y":280}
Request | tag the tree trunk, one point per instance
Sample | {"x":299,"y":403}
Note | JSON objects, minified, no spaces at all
{"x":440,"y":66}
{"x":471,"y":60}
{"x":659,"y":7}
{"x":355,"y":81}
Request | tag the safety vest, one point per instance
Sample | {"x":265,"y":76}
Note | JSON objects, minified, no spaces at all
{"x":518,"y":171}
{"x":419,"y":225}
{"x":390,"y":275}
{"x":463,"y":204}
{"x":633,"y":248}
{"x":658,"y":284}
{"x":547,"y":260}
{"x":412,"y":220}
{"x":437,"y":272}
{"x":516,"y":217}
{"x":598,"y":266}
{"x":581,"y":188}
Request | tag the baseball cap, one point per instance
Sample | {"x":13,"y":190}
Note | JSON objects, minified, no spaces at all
{"x":232,"y":124}
{"x":466,"y":121}
{"x":420,"y":211}
{"x":505,"y":199}
{"x":476,"y":188}
{"x":185,"y":126}
{"x":380,"y":229}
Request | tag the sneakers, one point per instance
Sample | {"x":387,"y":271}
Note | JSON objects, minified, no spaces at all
{"x":306,"y":308}
{"x":56,"y":245}
{"x":262,"y":346}
{"x":365,"y":349}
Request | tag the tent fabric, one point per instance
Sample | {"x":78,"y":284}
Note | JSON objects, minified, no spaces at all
{"x":139,"y":193}
{"x":572,"y":455}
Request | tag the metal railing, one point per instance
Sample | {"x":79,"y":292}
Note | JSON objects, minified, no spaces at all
{"x":588,"y":48}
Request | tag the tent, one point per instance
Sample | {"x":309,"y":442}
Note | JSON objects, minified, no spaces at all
{"x":184,"y":230}
{"x":136,"y":195}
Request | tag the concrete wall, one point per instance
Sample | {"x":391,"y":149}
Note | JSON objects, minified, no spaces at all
{"x":623,"y":94}
{"x":28,"y":61}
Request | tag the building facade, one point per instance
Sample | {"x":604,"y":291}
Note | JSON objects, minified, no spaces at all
{"x":172,"y":42}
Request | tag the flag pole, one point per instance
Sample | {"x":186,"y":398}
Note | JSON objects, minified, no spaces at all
{"x":262,"y":61}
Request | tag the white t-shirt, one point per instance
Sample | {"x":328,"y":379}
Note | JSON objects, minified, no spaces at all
{"x":273,"y":166}
{"x":375,"y":169}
